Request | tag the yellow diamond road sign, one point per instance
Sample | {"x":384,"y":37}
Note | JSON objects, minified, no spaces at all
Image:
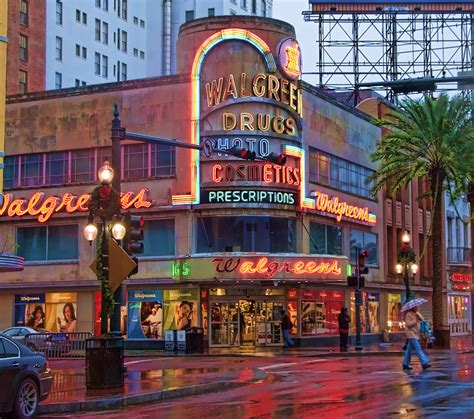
{"x":120,"y":265}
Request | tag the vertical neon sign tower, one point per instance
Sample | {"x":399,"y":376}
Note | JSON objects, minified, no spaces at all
{"x":206,"y":46}
{"x":3,"y":84}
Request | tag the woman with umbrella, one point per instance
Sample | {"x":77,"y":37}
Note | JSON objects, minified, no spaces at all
{"x":413,"y":321}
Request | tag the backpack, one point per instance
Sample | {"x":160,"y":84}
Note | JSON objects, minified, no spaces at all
{"x":425,"y":329}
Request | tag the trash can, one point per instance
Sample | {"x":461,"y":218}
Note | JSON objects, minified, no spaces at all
{"x":104,"y":362}
{"x":181,"y":340}
{"x":170,"y":340}
{"x":195,"y":340}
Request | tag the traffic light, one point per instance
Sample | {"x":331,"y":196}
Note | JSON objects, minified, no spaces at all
{"x":352,"y":281}
{"x":362,"y":268}
{"x":133,"y":241}
{"x":243,"y":153}
{"x":276,"y":158}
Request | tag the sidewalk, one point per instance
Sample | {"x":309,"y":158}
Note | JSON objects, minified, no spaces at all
{"x":156,"y":375}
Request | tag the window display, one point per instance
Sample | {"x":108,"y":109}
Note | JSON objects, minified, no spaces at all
{"x":145,"y":314}
{"x":319,"y":311}
{"x":53,"y":312}
{"x":394,"y":319}
{"x":180,"y":310}
{"x":369,"y":313}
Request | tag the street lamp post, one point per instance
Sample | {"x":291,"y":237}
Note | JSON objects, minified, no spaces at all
{"x":406,"y":263}
{"x":104,"y":224}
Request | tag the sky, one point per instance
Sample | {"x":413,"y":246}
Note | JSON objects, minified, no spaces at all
{"x":290,"y":11}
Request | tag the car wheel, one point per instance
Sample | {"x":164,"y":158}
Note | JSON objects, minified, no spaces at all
{"x":31,"y":346}
{"x":27,"y":399}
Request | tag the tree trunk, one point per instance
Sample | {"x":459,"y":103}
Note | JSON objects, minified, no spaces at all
{"x":438,"y":253}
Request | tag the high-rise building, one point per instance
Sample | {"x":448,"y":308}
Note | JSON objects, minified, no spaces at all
{"x":26,"y":46}
{"x":79,"y":42}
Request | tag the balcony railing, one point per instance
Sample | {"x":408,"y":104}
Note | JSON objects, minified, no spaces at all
{"x":459,"y":255}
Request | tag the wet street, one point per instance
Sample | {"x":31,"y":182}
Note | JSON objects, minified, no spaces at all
{"x":303,"y":386}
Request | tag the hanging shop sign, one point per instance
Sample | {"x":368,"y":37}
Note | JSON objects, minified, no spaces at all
{"x":44,"y":207}
{"x":248,"y":196}
{"x":461,"y":281}
{"x":290,"y":267}
{"x":336,"y":208}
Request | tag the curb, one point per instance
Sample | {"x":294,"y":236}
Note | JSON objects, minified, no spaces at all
{"x":117,"y":402}
{"x":272,"y":354}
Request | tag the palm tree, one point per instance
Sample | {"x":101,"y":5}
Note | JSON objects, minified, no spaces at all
{"x":425,"y":138}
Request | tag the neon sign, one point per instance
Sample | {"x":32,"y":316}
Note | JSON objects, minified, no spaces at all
{"x":461,"y":281}
{"x":203,"y":50}
{"x":268,"y":173}
{"x":268,"y":268}
{"x":43,"y":208}
{"x":289,"y":58}
{"x":236,"y":196}
{"x":341,"y":209}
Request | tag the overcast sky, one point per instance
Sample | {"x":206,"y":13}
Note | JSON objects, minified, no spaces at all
{"x":290,"y":11}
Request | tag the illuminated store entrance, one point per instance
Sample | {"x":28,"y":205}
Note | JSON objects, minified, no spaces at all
{"x":245,"y":321}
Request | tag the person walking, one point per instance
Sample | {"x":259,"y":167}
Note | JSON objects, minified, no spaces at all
{"x":413,"y":321}
{"x":343,"y":320}
{"x":286,"y":327}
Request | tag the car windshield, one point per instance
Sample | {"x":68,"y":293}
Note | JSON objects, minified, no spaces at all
{"x":11,"y":332}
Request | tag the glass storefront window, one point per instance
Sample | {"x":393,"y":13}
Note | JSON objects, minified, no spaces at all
{"x":159,"y":238}
{"x":364,"y":241}
{"x":246,"y":234}
{"x":394,"y":319}
{"x":319,"y":311}
{"x":369,"y":313}
{"x":327,"y":239}
{"x":58,"y":242}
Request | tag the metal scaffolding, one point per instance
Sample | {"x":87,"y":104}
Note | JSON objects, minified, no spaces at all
{"x":360,"y":42}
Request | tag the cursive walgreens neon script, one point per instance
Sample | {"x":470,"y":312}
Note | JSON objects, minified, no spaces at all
{"x":269,"y":268}
{"x":43,"y":208}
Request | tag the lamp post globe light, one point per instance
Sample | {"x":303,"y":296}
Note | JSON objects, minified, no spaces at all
{"x":406,"y":263}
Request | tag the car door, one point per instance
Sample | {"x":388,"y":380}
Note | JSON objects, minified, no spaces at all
{"x":10,"y":369}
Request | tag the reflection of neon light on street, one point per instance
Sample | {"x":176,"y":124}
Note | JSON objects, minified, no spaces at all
{"x":206,"y":46}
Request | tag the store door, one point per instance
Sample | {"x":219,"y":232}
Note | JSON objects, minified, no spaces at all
{"x":225,"y":325}
{"x":268,"y":323}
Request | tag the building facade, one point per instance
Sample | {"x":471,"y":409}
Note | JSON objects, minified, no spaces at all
{"x":459,"y":266}
{"x":58,"y":44}
{"x":26,"y":46}
{"x":229,"y":242}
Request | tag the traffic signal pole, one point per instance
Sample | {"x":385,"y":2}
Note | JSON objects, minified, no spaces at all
{"x":358,"y":303}
{"x":119,"y":134}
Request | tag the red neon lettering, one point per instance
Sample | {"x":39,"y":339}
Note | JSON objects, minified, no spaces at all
{"x":45,"y":208}
{"x":340,"y":209}
{"x":298,"y":267}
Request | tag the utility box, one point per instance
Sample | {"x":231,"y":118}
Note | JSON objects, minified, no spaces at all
{"x":170,"y":340}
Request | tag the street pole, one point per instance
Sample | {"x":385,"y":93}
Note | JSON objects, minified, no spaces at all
{"x":358,"y":303}
{"x":406,"y":279}
{"x":104,"y":312}
{"x":117,"y":136}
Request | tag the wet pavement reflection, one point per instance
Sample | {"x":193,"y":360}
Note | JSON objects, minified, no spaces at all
{"x":303,"y":387}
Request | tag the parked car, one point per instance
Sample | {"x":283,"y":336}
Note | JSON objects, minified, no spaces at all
{"x":25,"y":379}
{"x":52,"y":344}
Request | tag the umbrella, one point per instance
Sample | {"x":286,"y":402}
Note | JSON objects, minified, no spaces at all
{"x":413,"y":303}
